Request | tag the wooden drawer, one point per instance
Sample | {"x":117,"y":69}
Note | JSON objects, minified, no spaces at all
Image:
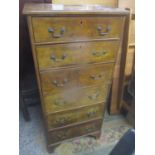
{"x":95,"y":74}
{"x":74,"y":116}
{"x":76,"y":53}
{"x":56,"y":29}
{"x":59,"y":80}
{"x":75,"y":97}
{"x":74,"y":131}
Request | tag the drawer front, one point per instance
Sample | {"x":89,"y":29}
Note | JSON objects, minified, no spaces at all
{"x":58,"y":80}
{"x":75,"y":131}
{"x":75,"y":116}
{"x":87,"y":75}
{"x":75,"y":97}
{"x":76,"y":54}
{"x":96,"y":74}
{"x":55,"y":29}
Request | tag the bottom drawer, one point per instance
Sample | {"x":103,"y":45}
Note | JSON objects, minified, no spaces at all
{"x":74,"y":131}
{"x":75,"y":116}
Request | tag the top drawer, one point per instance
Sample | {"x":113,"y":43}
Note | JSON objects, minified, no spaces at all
{"x":55,"y":29}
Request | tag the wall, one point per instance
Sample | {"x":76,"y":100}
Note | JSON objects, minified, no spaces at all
{"x":112,"y":3}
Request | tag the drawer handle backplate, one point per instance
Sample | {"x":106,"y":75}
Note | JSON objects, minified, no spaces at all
{"x":99,"y":28}
{"x":60,"y":102}
{"x":60,"y":84}
{"x":53,"y":57}
{"x":94,"y":96}
{"x":91,"y":113}
{"x":51,"y":30}
{"x":96,"y":77}
{"x":99,"y":53}
{"x":90,"y":129}
{"x":62,"y":120}
{"x":62,"y":135}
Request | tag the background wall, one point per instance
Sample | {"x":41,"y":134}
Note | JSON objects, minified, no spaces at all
{"x":112,"y":3}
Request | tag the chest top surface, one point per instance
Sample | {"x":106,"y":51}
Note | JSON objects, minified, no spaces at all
{"x":52,"y":9}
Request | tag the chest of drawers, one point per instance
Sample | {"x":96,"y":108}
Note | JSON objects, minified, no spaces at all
{"x":74,"y":51}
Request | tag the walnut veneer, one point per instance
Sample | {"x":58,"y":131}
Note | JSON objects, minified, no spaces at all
{"x":74,"y":51}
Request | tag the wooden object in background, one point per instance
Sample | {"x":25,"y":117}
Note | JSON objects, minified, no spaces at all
{"x":73,"y":92}
{"x":129,"y":64}
{"x":128,"y":103}
{"x":132,"y":32}
{"x":28,"y":87}
{"x":118,"y":85}
{"x":23,"y":107}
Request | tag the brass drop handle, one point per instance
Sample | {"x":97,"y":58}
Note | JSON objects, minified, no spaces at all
{"x":96,"y":77}
{"x":90,"y":129}
{"x":60,"y":102}
{"x":53,"y":57}
{"x":62,"y":135}
{"x":94,"y":96}
{"x":62,"y":120}
{"x":51,"y":30}
{"x":99,"y":28}
{"x":99,"y":53}
{"x":91,"y":113}
{"x":60,"y":84}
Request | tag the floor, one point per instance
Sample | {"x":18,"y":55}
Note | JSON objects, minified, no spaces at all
{"x":32,"y":139}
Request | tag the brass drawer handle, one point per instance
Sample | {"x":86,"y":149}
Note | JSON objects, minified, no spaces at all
{"x":99,"y":53}
{"x":91,"y":113}
{"x":62,"y":135}
{"x":60,"y":84}
{"x":51,"y":30}
{"x":94,"y":96}
{"x":90,"y":129}
{"x":96,"y":77}
{"x":53,"y":57}
{"x":62,"y":120}
{"x":99,"y":28}
{"x":60,"y":102}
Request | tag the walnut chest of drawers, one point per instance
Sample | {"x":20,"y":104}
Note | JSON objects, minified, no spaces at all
{"x":74,"y":51}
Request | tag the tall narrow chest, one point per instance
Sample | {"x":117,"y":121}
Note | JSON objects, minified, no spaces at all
{"x":74,"y":50}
